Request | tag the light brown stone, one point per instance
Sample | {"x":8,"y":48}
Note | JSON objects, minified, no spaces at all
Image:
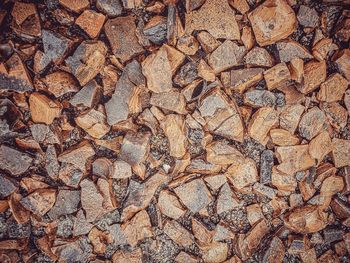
{"x":178,"y":233}
{"x":188,"y":45}
{"x":127,"y":257}
{"x":169,"y":205}
{"x":242,"y":173}
{"x":276,"y":251}
{"x":172,"y":100}
{"x":296,"y":69}
{"x":314,"y":74}
{"x":341,"y":152}
{"x":322,"y":48}
{"x":254,"y":214}
{"x":207,"y":41}
{"x":220,"y":153}
{"x":77,"y":155}
{"x":290,"y":117}
{"x":273,"y":20}
{"x":240,"y":5}
{"x":242,"y":79}
{"x":216,"y":17}
{"x":75,"y":6}
{"x":312,"y":123}
{"x":285,"y":183}
{"x":121,"y":170}
{"x":93,"y":122}
{"x":262,"y":121}
{"x":226,"y":200}
{"x":215,"y":252}
{"x":60,"y":83}
{"x":290,"y":49}
{"x":333,"y":88}
{"x":283,"y":137}
{"x":40,"y":201}
{"x":43,"y":109}
{"x":259,"y":57}
{"x":277,"y":76}
{"x":336,"y":114}
{"x":99,"y":240}
{"x":91,"y":22}
{"x":26,"y":20}
{"x":320,"y":146}
{"x":342,"y":60}
{"x":91,"y":200}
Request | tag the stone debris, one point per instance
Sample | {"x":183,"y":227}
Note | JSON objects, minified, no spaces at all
{"x":91,"y":22}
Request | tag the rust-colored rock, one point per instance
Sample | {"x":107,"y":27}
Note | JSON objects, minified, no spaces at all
{"x":242,"y":173}
{"x":93,"y":122}
{"x":43,"y":109}
{"x":333,"y":88}
{"x":40,"y":202}
{"x":283,"y":137}
{"x":314,"y":74}
{"x":91,"y":22}
{"x":60,"y":83}
{"x":341,"y":152}
{"x":75,"y":6}
{"x":273,"y":20}
{"x":342,"y":59}
{"x":26,"y":20}
{"x":277,"y":76}
{"x":169,"y":205}
{"x":178,"y":233}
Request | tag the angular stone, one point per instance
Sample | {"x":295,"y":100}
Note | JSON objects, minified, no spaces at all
{"x":226,"y":56}
{"x":202,"y":167}
{"x":87,"y":61}
{"x":140,"y":195}
{"x":159,"y":68}
{"x":172,"y":100}
{"x":242,"y":173}
{"x":266,"y":164}
{"x":169,"y":205}
{"x":215,"y":181}
{"x":91,"y":200}
{"x":123,"y":47}
{"x":216,"y":17}
{"x":259,"y":57}
{"x":220,"y":153}
{"x":290,"y":116}
{"x":81,"y":226}
{"x":215,"y":252}
{"x":13,"y":161}
{"x":277,"y":76}
{"x":276,"y":251}
{"x":341,"y":152}
{"x":138,"y":228}
{"x":40,"y":201}
{"x":178,"y":233}
{"x":312,"y":123}
{"x":259,"y":98}
{"x":293,"y":159}
{"x":336,"y":114}
{"x":283,"y":182}
{"x":111,"y":8}
{"x":77,"y":155}
{"x":42,"y":109}
{"x":51,"y":164}
{"x":75,"y":6}
{"x":104,"y":187}
{"x":186,"y":74}
{"x":290,"y":49}
{"x":71,"y":175}
{"x":60,"y":83}
{"x":184,"y":257}
{"x":26,"y":21}
{"x":307,"y":16}
{"x":323,"y":48}
{"x":205,"y":71}
{"x":314,"y":74}
{"x":283,"y":137}
{"x":88,"y":96}
{"x":320,"y":146}
{"x":44,"y":134}
{"x":99,"y":240}
{"x":241,"y":79}
{"x":121,"y":170}
{"x":273,"y":20}
{"x":14,"y":75}
{"x":296,"y":69}
{"x":67,"y":202}
{"x":91,"y":22}
{"x":261,"y":123}
{"x":254,"y":214}
{"x":156,"y":30}
{"x":135,"y":148}
{"x":93,"y":122}
{"x":225,"y":200}
{"x":207,"y":41}
{"x":194,"y":195}
{"x":174,"y":128}
{"x":333,"y":88}
{"x":222,"y":116}
{"x":188,"y":45}
{"x":7,"y":187}
{"x":127,"y":257}
{"x":342,"y":61}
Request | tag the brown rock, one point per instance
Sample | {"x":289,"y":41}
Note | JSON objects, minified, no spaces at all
{"x":336,"y":114}
{"x":283,"y":137}
{"x":159,"y":68}
{"x":296,"y":69}
{"x":75,"y":6}
{"x":194,"y":195}
{"x":91,"y":200}
{"x":127,"y":257}
{"x":290,"y":116}
{"x":247,"y":37}
{"x":290,"y":49}
{"x":312,"y":123}
{"x":220,"y":153}
{"x":331,"y":186}
{"x":81,"y":226}
{"x":184,"y":257}
{"x":333,"y":88}
{"x":99,"y":240}
{"x":242,"y":173}
{"x":77,"y":155}
{"x":261,"y":123}
{"x":254,"y":214}
{"x":225,"y":200}
{"x":13,"y":161}
{"x":138,"y":228}
{"x":121,"y":170}
{"x":42,"y":109}
{"x":341,"y":152}
{"x":275,"y":252}
{"x":215,"y":181}
{"x":88,"y":96}
{"x":226,"y":56}
{"x":202,"y":167}
{"x":320,"y":146}
{"x":109,"y":77}
{"x":277,"y":76}
{"x":322,"y":48}
{"x":341,"y":60}
{"x":40,"y":201}
{"x":123,"y":47}
{"x":222,"y":116}
{"x":87,"y":61}
{"x":188,"y":45}
{"x":294,"y":158}
{"x":307,"y":219}
{"x":259,"y":57}
{"x":19,"y":213}
{"x":70,"y":174}
{"x":178,"y":233}
{"x":215,"y":252}
{"x":67,"y":202}
{"x":172,"y":100}
{"x":259,"y":98}
{"x":60,"y":83}
{"x":169,"y":205}
{"x":285,"y":183}
{"x":314,"y":74}
{"x":141,"y":195}
{"x":91,"y":22}
{"x":241,"y":79}
{"x":26,"y":21}
{"x":93,"y":122}
{"x":7,"y":187}
{"x":241,"y":5}
{"x":207,"y":41}
{"x":272,"y":21}
{"x":14,"y":75}
{"x":43,"y":133}
{"x":109,"y":203}
{"x":102,"y":167}
{"x":307,"y":16}
{"x":216,"y":17}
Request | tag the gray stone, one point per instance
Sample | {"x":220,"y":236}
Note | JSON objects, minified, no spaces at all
{"x":13,"y":161}
{"x":67,"y":202}
{"x":7,"y":187}
{"x":187,"y":74}
{"x":111,"y":8}
{"x":259,"y":98}
{"x":266,"y":164}
{"x":307,"y":16}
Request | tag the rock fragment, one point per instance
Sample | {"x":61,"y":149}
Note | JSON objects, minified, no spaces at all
{"x":242,"y":173}
{"x":333,"y":88}
{"x":277,"y":76}
{"x":290,"y":117}
{"x":314,"y":74}
{"x":241,"y":79}
{"x":14,"y":161}
{"x":259,"y":57}
{"x":266,"y":164}
{"x":67,"y":202}
{"x":225,"y":200}
{"x":307,"y":16}
{"x":172,"y":100}
{"x":77,"y":155}
{"x":207,"y":41}
{"x":342,"y":59}
{"x":273,"y":20}
{"x":169,"y":205}
{"x":88,"y":96}
{"x":127,"y":257}
{"x":341,"y":152}
{"x":91,"y":200}
{"x":320,"y":146}
{"x":111,"y":8}
{"x":42,"y":109}
{"x":178,"y":233}
{"x":7,"y":187}
{"x":91,"y":22}
{"x":75,"y":6}
{"x":259,"y":98}
{"x":93,"y":122}
{"x":123,"y":48}
{"x":60,"y":83}
{"x":26,"y":21}
{"x":290,"y":49}
{"x":40,"y":201}
{"x":283,"y":137}
{"x":311,"y":123}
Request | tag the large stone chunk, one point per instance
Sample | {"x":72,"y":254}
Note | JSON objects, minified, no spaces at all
{"x":194,"y":195}
{"x":178,"y":233}
{"x":13,"y":161}
{"x":91,"y":22}
{"x":67,"y":202}
{"x":273,"y":20}
{"x":91,"y":200}
{"x":262,"y":121}
{"x":111,"y":8}
{"x":314,"y":74}
{"x":135,"y":148}
{"x":43,"y":109}
{"x":40,"y":201}
{"x":88,"y":96}
{"x":333,"y":88}
{"x":173,"y":101}
{"x":341,"y":152}
{"x":160,"y":66}
{"x":311,"y":123}
{"x":225,"y":200}
{"x":87,"y":61}
{"x":75,"y":6}
{"x":221,"y":153}
{"x":77,"y":155}
{"x":242,"y":173}
{"x":241,"y":79}
{"x":290,"y":49}
{"x":125,"y":99}
{"x":277,"y":76}
{"x":216,"y":17}
{"x":60,"y":83}
{"x":259,"y":98}
{"x":7,"y":187}
{"x":259,"y":57}
{"x":308,"y":17}
{"x":93,"y":122}
{"x":26,"y":20}
{"x":227,"y":55}
{"x":222,"y":116}
{"x":140,"y":195}
{"x":122,"y":37}
{"x":342,"y":61}
{"x":169,"y":205}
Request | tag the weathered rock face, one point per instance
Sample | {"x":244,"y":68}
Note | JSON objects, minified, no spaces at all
{"x":273,"y":20}
{"x":14,"y":161}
